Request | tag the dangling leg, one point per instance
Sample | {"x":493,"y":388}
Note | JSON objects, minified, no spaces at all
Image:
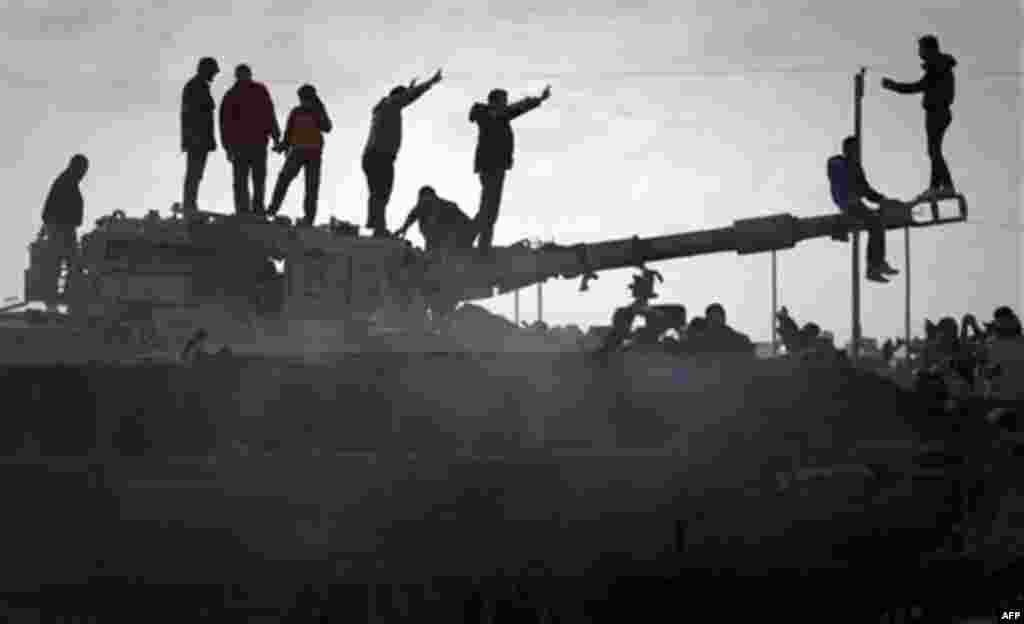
{"x":288,"y":172}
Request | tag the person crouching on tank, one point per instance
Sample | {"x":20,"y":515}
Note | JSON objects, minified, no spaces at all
{"x":849,"y":190}
{"x":62,"y":215}
{"x":444,"y":227}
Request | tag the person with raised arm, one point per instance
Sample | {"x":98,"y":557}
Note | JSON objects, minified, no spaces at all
{"x":494,"y":149}
{"x":938,"y":86}
{"x":382,"y":147}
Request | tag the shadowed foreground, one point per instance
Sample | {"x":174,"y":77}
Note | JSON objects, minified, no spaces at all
{"x":632,"y":480}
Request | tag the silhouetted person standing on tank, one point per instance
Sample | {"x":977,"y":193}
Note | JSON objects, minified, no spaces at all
{"x":849,"y":188}
{"x":304,"y":143}
{"x":382,"y":147}
{"x":494,"y":149}
{"x":197,"y":140}
{"x":442,"y":224}
{"x":62,"y":215}
{"x":938,"y":85}
{"x":247,"y":120}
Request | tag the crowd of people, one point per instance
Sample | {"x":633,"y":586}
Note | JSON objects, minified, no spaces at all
{"x":967,"y":360}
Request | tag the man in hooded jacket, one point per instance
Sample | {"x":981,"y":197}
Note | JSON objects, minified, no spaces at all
{"x":494,"y":148}
{"x":62,"y":215}
{"x":938,"y":86}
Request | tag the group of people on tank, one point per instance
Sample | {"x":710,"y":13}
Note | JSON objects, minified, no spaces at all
{"x":248,"y":123}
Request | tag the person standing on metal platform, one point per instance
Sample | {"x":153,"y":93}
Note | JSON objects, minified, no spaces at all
{"x":197,"y":140}
{"x":304,"y":144}
{"x":62,"y":215}
{"x":849,"y":188}
{"x":382,"y":147}
{"x":247,"y":120}
{"x":938,"y":86}
{"x":494,"y":148}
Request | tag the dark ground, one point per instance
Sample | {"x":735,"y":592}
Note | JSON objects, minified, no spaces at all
{"x":619,"y":533}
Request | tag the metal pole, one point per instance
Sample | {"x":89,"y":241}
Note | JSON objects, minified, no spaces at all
{"x":775,"y":303}
{"x":858,"y":93}
{"x":906,"y":307}
{"x":540,"y":301}
{"x":515,"y":297}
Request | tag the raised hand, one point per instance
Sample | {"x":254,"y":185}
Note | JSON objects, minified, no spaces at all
{"x":436,"y":77}
{"x":546,"y":93}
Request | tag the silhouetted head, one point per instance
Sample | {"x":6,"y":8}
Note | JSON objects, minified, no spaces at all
{"x":243,"y":73}
{"x":427,"y":192}
{"x":697,"y":325}
{"x":1005,"y":323}
{"x":850,"y":147}
{"x":811,"y":331}
{"x":946,"y":330}
{"x":208,"y":68}
{"x":928,"y":47}
{"x":78,"y":165}
{"x":715,"y":315}
{"x":399,"y":90}
{"x":498,"y":98}
{"x":307,"y":94}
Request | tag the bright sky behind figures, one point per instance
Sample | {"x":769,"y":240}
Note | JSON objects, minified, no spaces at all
{"x":664,"y":117}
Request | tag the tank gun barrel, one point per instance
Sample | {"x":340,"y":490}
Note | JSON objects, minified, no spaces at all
{"x":518,"y":267}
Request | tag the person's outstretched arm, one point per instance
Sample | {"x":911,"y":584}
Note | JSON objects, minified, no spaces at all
{"x":412,"y":218}
{"x":325,"y":120}
{"x":527,"y":104}
{"x":926,"y":81}
{"x":275,"y":128}
{"x":864,"y":189}
{"x":284,"y":145}
{"x":414,"y":91}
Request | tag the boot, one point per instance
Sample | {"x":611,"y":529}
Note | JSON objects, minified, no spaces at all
{"x":886,"y":269}
{"x":874,"y":274}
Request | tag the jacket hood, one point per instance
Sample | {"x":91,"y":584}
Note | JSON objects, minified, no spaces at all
{"x":943,"y":62}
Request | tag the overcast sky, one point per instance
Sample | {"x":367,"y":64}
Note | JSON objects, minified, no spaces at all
{"x":665,"y":117}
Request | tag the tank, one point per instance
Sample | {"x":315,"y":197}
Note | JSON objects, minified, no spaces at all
{"x":262,"y":288}
{"x":304,"y":394}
